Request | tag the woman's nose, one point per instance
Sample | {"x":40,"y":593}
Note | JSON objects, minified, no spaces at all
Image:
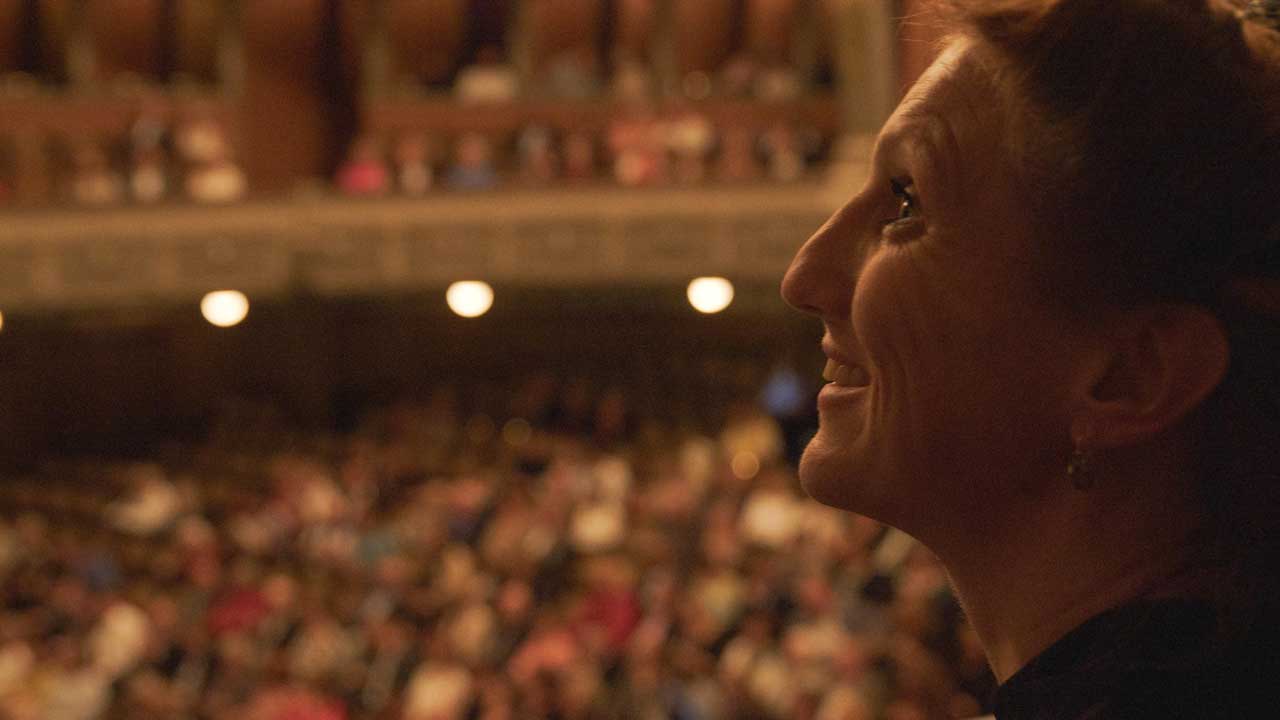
{"x":822,"y":275}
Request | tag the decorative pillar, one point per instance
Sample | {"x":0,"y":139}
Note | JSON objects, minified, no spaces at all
{"x":866,"y":59}
{"x":666,"y":61}
{"x":804,"y":40}
{"x":377,"y":52}
{"x":230,"y":51}
{"x":520,"y":42}
{"x":81,"y":58}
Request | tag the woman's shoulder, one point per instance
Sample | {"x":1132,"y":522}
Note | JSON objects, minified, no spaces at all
{"x":1167,"y":659}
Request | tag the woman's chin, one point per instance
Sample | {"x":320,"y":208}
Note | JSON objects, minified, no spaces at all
{"x":830,"y":473}
{"x":849,"y":475}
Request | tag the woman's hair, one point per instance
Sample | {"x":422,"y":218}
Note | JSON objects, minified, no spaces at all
{"x":1148,"y":141}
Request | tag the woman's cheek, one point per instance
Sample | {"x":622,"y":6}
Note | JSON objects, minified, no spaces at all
{"x":887,"y":318}
{"x":908,"y":341}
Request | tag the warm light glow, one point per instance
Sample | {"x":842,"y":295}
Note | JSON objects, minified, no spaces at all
{"x":224,"y":308}
{"x":710,"y":294}
{"x":1,"y":321}
{"x":469,"y":298}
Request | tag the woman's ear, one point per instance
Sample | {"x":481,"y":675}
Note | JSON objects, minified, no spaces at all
{"x":1157,"y":366}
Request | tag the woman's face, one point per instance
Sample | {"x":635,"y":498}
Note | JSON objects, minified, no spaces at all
{"x":950,"y":363}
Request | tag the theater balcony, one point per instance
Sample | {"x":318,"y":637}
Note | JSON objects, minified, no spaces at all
{"x":153,"y":151}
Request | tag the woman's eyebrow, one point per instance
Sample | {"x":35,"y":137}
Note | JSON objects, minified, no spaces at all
{"x":929,"y":142}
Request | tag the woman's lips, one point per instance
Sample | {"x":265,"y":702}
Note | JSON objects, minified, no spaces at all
{"x":845,"y":375}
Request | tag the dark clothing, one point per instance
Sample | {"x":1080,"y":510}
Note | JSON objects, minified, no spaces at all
{"x":1162,"y":660}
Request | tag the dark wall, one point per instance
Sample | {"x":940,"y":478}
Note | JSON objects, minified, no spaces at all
{"x":116,"y":383}
{"x":299,"y":86}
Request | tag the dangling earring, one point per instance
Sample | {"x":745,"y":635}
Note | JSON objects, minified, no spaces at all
{"x":1078,"y":469}
{"x":1080,"y":465}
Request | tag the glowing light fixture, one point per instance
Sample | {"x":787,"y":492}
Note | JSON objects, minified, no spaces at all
{"x":469,"y":298}
{"x":1,"y":321}
{"x":224,"y":308}
{"x":710,"y":294}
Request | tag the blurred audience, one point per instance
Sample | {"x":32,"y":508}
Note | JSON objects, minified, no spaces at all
{"x":436,"y":565}
{"x":364,"y":172}
{"x":490,"y":79}
{"x":643,"y":138}
{"x":93,"y":181}
{"x":205,"y":153}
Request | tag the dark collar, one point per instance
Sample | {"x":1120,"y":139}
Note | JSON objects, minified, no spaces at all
{"x":1160,"y":659}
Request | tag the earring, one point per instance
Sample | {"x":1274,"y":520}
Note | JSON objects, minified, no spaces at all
{"x":1078,"y":468}
{"x":1080,"y":464}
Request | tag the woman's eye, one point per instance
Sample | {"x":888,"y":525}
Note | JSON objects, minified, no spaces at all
{"x":908,"y":203}
{"x":906,"y":224}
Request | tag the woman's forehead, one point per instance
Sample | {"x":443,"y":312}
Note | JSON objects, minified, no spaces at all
{"x":955,"y":109}
{"x":958,"y":86}
{"x":954,"y":56}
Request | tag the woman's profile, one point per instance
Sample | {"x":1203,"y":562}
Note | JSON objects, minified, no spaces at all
{"x":1052,"y":325}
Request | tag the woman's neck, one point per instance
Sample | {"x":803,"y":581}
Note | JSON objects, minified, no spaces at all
{"x":1059,"y":562}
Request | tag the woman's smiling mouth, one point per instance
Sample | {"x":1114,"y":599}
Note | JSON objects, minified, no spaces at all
{"x":845,"y":375}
